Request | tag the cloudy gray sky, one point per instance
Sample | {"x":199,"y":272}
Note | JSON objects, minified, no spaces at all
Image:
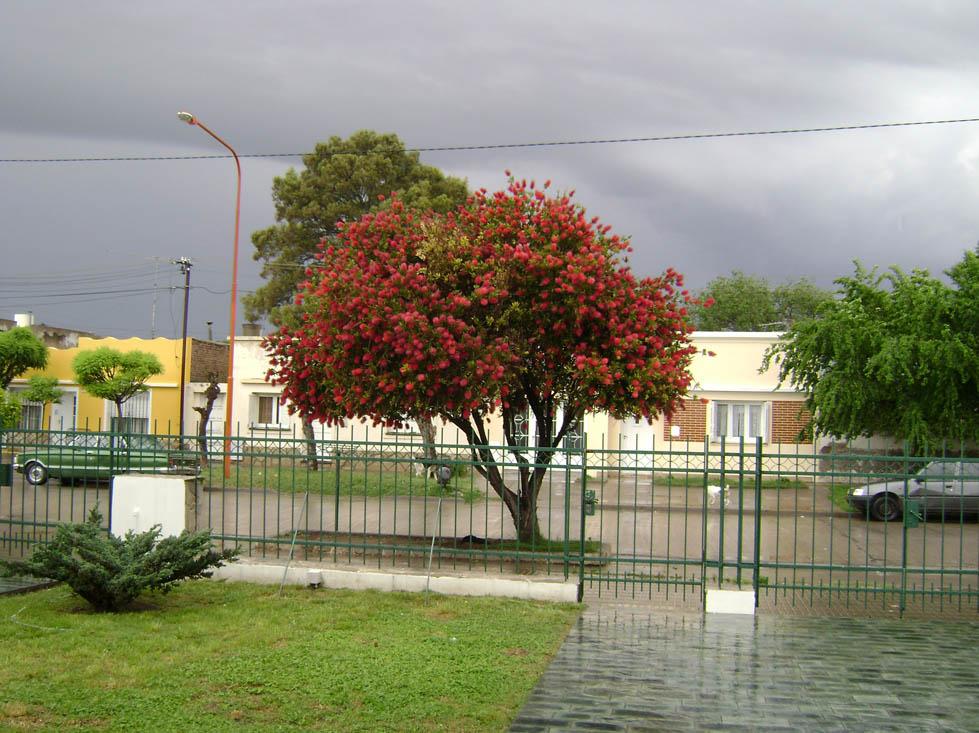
{"x":87,"y":244}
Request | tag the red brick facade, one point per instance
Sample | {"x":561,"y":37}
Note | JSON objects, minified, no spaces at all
{"x":691,"y":417}
{"x":207,"y":357}
{"x":790,"y":421}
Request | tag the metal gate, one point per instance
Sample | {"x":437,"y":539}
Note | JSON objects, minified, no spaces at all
{"x":667,"y":525}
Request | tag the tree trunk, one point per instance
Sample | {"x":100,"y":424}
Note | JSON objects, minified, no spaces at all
{"x":211,"y":394}
{"x":528,"y":528}
{"x":427,"y":428}
{"x":312,"y":461}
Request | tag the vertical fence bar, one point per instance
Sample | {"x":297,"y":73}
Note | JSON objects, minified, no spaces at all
{"x":740,"y":553}
{"x":703,"y":523}
{"x":756,"y":580}
{"x":581,"y":513}
{"x":721,"y":498}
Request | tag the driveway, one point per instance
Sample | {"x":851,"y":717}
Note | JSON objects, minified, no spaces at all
{"x":628,"y":669}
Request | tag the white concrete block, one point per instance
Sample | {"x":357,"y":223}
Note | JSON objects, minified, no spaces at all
{"x":730,"y":601}
{"x":541,"y":590}
{"x":141,"y":500}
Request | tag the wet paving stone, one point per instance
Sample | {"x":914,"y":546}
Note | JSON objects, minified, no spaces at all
{"x":629,"y":669}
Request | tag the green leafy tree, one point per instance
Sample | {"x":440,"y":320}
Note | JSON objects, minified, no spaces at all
{"x":341,"y":181}
{"x":895,"y":354}
{"x":111,"y":572}
{"x":797,"y":301}
{"x":9,"y":410}
{"x":43,"y":389}
{"x":115,"y":375}
{"x":20,"y":350}
{"x":741,"y":302}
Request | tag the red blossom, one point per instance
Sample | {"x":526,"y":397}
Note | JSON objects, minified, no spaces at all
{"x":516,"y":296}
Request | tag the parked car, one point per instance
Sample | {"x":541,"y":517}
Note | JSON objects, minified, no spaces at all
{"x":99,"y":456}
{"x":946,"y":486}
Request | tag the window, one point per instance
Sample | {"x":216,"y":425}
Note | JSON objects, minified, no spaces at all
{"x":31,"y":413}
{"x":737,"y":420}
{"x":265,"y":411}
{"x":135,"y":415}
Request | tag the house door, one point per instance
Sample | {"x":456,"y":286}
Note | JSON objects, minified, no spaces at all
{"x":64,"y":412}
{"x":635,"y":434}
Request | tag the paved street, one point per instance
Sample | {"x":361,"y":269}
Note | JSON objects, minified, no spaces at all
{"x":630,"y":669}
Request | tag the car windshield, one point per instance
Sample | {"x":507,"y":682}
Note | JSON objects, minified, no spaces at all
{"x":143,"y":443}
{"x":102,"y":441}
{"x":942,"y":470}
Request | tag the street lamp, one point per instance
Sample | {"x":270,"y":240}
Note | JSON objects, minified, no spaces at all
{"x":191,"y":120}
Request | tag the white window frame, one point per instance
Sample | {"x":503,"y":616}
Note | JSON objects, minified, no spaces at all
{"x":728,"y":412}
{"x":254,"y":411}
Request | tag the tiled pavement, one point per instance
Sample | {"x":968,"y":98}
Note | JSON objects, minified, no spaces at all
{"x":630,"y":669}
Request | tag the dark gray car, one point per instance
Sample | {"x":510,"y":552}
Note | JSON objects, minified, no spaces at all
{"x":946,"y":486}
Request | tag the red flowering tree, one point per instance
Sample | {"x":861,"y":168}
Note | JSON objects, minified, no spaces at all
{"x":515,"y":301}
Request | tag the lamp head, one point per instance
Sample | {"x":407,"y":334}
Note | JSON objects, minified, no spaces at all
{"x":187,"y":117}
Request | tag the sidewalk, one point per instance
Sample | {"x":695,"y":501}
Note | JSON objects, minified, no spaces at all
{"x":627,"y":668}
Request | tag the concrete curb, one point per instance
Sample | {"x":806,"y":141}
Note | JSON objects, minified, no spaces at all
{"x":558,"y":591}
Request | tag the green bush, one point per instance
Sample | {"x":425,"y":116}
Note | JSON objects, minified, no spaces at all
{"x":111,"y":572}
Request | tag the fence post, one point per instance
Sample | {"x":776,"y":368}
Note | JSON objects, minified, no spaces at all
{"x":755,"y":582}
{"x":720,"y":508}
{"x":703,"y":525}
{"x":904,"y":537}
{"x":567,"y":514}
{"x":740,"y":555}
{"x":581,"y":512}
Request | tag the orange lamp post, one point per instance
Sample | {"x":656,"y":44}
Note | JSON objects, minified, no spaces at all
{"x":191,"y":120}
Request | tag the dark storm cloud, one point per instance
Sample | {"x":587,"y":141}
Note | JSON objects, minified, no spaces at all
{"x":101,"y":78}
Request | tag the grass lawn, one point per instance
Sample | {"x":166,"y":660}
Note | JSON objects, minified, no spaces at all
{"x":838,"y":494}
{"x":696,"y":481}
{"x":234,"y":656}
{"x":370,"y":479}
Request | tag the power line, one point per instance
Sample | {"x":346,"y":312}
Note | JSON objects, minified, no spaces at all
{"x":504,"y":146}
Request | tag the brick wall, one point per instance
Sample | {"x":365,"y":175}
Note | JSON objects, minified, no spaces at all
{"x":789,"y":419}
{"x":207,"y":357}
{"x":691,"y":416}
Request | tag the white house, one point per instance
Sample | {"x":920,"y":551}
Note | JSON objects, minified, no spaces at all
{"x":730,"y":398}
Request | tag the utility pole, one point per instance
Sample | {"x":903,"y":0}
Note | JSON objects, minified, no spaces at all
{"x":185,"y":265}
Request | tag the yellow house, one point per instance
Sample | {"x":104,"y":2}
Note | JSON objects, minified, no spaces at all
{"x":157,"y":410}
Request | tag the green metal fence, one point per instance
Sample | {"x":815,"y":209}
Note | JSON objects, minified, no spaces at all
{"x":364,"y":502}
{"x":678,"y":521}
{"x":636,"y":522}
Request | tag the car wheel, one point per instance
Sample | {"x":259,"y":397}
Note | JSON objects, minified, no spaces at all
{"x":35,"y":473}
{"x":885,"y":508}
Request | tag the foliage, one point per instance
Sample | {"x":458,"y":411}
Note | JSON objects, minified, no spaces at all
{"x":111,"y":572}
{"x":239,"y":656}
{"x":741,"y":302}
{"x":895,"y":354}
{"x":797,"y":301}
{"x":9,"y":410}
{"x":515,"y":301}
{"x":341,"y":181}
{"x":20,"y":350}
{"x":42,"y":389}
{"x":115,"y":375}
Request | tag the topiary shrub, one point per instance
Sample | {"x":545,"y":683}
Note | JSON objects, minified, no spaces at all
{"x":111,"y":572}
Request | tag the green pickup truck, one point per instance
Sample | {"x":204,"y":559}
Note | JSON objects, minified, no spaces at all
{"x":99,"y":456}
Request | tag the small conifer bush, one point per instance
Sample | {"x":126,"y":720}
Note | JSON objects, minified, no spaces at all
{"x":111,"y":572}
